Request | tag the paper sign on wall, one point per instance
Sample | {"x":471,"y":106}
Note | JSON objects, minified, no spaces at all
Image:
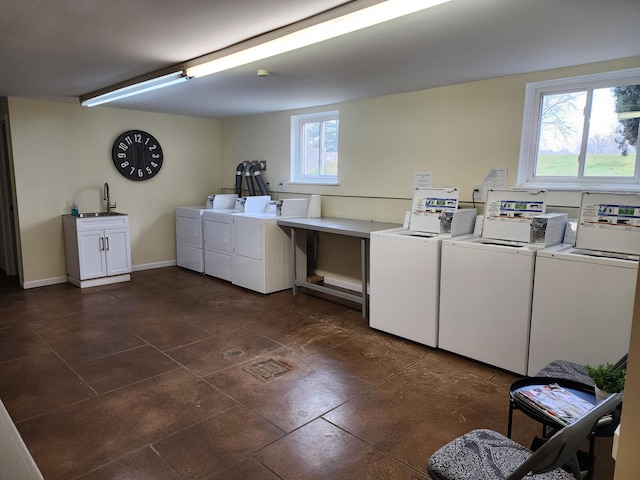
{"x":496,"y":179}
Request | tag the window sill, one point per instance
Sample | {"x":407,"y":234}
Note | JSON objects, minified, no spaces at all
{"x":330,"y":183}
{"x":595,"y":187}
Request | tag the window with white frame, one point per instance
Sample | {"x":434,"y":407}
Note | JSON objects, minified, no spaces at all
{"x":314,"y":147}
{"x":582,"y":132}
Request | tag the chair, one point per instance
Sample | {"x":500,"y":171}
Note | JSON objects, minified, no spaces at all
{"x":573,"y":371}
{"x":488,"y":455}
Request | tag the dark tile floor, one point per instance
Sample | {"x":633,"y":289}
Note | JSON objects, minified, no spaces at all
{"x":160,"y":378}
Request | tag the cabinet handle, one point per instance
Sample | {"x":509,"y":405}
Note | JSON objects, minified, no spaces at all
{"x":107,"y":240}
{"x":101,"y":243}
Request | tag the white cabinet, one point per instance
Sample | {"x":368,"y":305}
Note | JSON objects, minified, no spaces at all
{"x":98,"y":249}
{"x":218,"y":243}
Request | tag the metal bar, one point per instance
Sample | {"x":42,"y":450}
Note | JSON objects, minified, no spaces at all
{"x":330,"y":291}
{"x":293,"y":260}
{"x":363,"y":260}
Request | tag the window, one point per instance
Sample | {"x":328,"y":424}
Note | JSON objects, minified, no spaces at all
{"x":314,"y":148}
{"x":582,"y":132}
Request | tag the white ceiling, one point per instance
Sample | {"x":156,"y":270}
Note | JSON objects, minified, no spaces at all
{"x":61,"y":49}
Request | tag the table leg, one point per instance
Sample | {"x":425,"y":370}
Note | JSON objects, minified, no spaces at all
{"x":293,"y":260}
{"x":363,"y":260}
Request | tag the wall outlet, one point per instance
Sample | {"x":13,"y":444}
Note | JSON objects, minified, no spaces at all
{"x":263,"y":165}
{"x":477,"y":192}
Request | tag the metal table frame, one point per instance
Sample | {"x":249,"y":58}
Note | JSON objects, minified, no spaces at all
{"x":341,"y":226}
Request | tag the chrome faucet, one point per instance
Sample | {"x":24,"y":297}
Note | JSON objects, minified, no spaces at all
{"x":107,"y":199}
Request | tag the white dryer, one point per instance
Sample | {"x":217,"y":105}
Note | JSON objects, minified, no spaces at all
{"x":584,"y":295}
{"x":189,"y":232}
{"x":218,"y":242}
{"x":189,"y":239}
{"x":405,"y":267}
{"x":486,"y":284}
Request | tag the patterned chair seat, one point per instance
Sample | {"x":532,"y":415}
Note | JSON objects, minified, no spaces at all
{"x":483,"y":455}
{"x":566,"y":370}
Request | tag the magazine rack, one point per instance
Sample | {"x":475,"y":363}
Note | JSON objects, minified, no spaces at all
{"x":586,"y":392}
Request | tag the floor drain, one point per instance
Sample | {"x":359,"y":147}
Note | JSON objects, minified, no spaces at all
{"x":267,"y":370}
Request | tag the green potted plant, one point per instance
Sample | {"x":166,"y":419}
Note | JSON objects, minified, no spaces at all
{"x":607,"y":379}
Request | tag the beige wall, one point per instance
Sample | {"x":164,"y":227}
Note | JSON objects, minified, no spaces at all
{"x":62,"y":152}
{"x":458,"y":132}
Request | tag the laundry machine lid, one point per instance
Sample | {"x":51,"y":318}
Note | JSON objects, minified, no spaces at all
{"x":609,"y":222}
{"x":508,"y":214}
{"x":428,"y":206}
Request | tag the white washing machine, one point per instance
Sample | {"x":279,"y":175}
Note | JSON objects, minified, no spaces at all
{"x":584,"y":295}
{"x":486,"y":283}
{"x":404,"y":267}
{"x":261,"y":256}
{"x":189,"y":239}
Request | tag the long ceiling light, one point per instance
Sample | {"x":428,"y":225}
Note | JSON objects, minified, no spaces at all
{"x":350,"y":17}
{"x":134,"y":89}
{"x":331,"y":24}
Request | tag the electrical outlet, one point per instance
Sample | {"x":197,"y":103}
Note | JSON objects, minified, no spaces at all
{"x":477,"y":192}
{"x":263,"y":165}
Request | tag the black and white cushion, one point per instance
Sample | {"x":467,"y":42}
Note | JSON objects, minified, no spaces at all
{"x":483,"y":455}
{"x":566,"y":370}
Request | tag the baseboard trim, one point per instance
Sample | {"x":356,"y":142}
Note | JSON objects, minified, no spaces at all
{"x":151,"y":266}
{"x":45,"y":282}
{"x":57,"y":280}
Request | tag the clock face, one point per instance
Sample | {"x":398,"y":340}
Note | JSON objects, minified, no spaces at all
{"x":137,"y":155}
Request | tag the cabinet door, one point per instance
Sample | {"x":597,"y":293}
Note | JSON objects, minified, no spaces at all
{"x":91,"y":253}
{"x":117,"y":251}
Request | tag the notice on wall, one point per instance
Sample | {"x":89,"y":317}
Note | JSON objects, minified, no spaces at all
{"x":422,"y":180}
{"x":496,"y":179}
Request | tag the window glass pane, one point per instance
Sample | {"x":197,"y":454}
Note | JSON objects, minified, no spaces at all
{"x":612,"y":144}
{"x":330,"y":157}
{"x":311,"y":145}
{"x":314,"y":148}
{"x":561,"y":127}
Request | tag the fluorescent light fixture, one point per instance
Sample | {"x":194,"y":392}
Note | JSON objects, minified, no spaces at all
{"x":134,"y":89}
{"x":331,"y":24}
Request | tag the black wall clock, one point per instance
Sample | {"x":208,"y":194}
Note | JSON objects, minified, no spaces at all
{"x":137,"y":155}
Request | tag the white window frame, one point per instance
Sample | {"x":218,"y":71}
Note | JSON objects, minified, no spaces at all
{"x":297,"y":125}
{"x":530,"y":133}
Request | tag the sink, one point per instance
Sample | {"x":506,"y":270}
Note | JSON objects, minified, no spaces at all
{"x":99,"y":214}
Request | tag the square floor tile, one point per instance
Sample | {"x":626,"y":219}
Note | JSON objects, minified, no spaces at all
{"x":118,"y":370}
{"x":35,"y":385}
{"x":320,"y":450}
{"x":78,"y":439}
{"x":217,"y":443}
{"x":313,"y":386}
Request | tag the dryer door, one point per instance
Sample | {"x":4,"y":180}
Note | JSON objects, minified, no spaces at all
{"x":248,"y":237}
